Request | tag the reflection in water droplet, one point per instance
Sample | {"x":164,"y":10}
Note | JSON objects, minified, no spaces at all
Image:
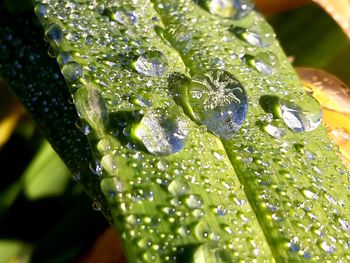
{"x":234,"y":9}
{"x":152,"y":63}
{"x":248,"y":36}
{"x":301,"y":114}
{"x":218,"y":101}
{"x":327,"y":248}
{"x":72,"y":71}
{"x":264,"y":62}
{"x":162,"y":132}
{"x":194,"y":201}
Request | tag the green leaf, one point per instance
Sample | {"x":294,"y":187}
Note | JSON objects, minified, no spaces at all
{"x":177,"y":192}
{"x":46,"y":176}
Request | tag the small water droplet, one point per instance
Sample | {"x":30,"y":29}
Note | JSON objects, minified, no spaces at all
{"x":121,"y":15}
{"x":194,"y":201}
{"x":248,"y":36}
{"x":54,"y":33}
{"x":327,"y":248}
{"x":96,"y":168}
{"x":301,"y":114}
{"x":233,"y":9}
{"x":218,"y":101}
{"x":72,"y":71}
{"x":309,"y":194}
{"x":220,"y":210}
{"x":264,"y":62}
{"x":161,"y":132}
{"x":178,"y":187}
{"x":96,"y":206}
{"x":76,"y":177}
{"x":152,"y":63}
{"x":345,"y":224}
{"x":110,"y":186}
{"x":275,"y":131}
{"x":41,"y":10}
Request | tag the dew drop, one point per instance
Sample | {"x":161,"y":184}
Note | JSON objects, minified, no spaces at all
{"x":194,"y":201}
{"x":161,"y":132}
{"x":218,"y":101}
{"x":220,"y":210}
{"x":110,"y":186}
{"x":309,"y":194}
{"x":327,"y":248}
{"x":72,"y":71}
{"x":301,"y":114}
{"x":264,"y":62}
{"x":41,"y":10}
{"x":251,"y":37}
{"x":233,"y":9}
{"x":96,"y":206}
{"x":152,"y":63}
{"x":275,"y":131}
{"x":178,"y":187}
{"x":54,"y":33}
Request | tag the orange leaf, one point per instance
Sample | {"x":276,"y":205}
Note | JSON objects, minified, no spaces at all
{"x":334,"y":97}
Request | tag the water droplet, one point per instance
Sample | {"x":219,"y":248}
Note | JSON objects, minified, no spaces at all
{"x":110,"y":186}
{"x":152,"y":63}
{"x":54,"y":33}
{"x":72,"y":71}
{"x":327,"y":248}
{"x":76,"y":177}
{"x":178,"y":187}
{"x":194,"y":201}
{"x":345,"y":224}
{"x":218,"y":101}
{"x":233,"y":9}
{"x":264,"y":62}
{"x":162,"y":132}
{"x":248,"y":36}
{"x":220,"y":210}
{"x":309,"y":194}
{"x":91,"y":106}
{"x":121,"y":16}
{"x":41,"y":10}
{"x":96,"y":206}
{"x":275,"y":131}
{"x":96,"y":168}
{"x":301,"y":114}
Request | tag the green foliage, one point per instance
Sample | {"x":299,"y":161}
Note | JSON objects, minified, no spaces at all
{"x":198,"y":195}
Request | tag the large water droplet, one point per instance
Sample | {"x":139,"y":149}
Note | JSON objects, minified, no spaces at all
{"x":151,"y":63}
{"x":234,"y":9}
{"x":162,"y":132}
{"x":218,"y":101}
{"x":72,"y":71}
{"x":248,"y":36}
{"x":301,"y":114}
